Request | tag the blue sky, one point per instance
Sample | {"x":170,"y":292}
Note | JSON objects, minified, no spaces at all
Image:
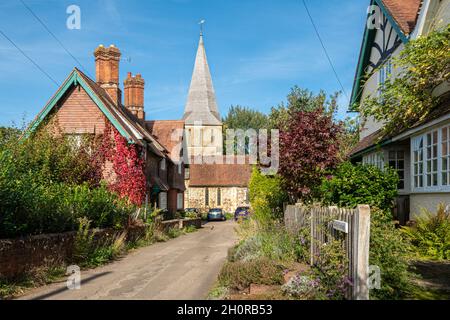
{"x":257,"y":49}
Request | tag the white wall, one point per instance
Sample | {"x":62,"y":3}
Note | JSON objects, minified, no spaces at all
{"x":429,"y":201}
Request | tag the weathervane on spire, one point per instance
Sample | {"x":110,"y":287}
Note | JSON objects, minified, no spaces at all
{"x":201,"y":23}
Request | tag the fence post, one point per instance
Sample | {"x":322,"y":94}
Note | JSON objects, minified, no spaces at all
{"x":312,"y":236}
{"x":361,"y":241}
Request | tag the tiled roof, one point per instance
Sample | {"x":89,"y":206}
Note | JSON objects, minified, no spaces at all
{"x":219,"y":175}
{"x":169,"y":133}
{"x":127,"y":120}
{"x":367,"y":142}
{"x":404,"y":12}
{"x":377,"y":137}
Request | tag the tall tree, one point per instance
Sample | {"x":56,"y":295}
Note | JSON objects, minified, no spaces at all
{"x":302,"y":100}
{"x":309,"y":148}
{"x":244,"y":118}
{"x":8,"y":134}
{"x":240,"y":117}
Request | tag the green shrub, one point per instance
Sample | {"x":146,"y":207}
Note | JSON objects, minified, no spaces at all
{"x":190,"y":229}
{"x":351,"y":185}
{"x":174,"y":232}
{"x":431,"y":234}
{"x":390,"y":252}
{"x":91,"y":252}
{"x":360,"y":184}
{"x":35,"y":209}
{"x":45,"y":186}
{"x":240,"y":274}
{"x":331,"y":271}
{"x":229,"y":216}
{"x":274,"y":243}
{"x":191,"y":215}
{"x":267,"y":196}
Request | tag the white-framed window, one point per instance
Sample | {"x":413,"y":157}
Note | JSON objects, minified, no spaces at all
{"x":445,"y":156}
{"x":375,"y":159}
{"x":397,"y":161}
{"x":162,"y":200}
{"x":162,"y":164}
{"x":417,"y":158}
{"x":431,"y":160}
{"x":179,"y":201}
{"x":75,"y":140}
{"x":384,"y":73}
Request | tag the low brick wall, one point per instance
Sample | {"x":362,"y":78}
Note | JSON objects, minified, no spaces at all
{"x":181,"y":223}
{"x":20,"y":255}
{"x":192,"y":222}
{"x":17,"y":256}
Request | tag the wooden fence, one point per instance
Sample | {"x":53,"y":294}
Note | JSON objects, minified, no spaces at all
{"x":352,"y":226}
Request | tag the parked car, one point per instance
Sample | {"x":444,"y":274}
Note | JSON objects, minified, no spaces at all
{"x":216,"y":214}
{"x":241,"y":213}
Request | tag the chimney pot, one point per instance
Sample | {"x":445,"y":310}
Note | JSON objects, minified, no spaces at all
{"x":134,"y":95}
{"x":107,"y":71}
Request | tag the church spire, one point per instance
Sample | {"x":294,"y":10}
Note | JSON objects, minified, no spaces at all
{"x":201,"y":104}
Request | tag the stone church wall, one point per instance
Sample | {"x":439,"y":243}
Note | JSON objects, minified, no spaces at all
{"x":231,"y":198}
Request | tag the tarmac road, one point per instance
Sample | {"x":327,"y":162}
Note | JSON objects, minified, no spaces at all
{"x":181,"y":268}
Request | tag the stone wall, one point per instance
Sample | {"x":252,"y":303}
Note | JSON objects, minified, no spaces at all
{"x":18,"y":256}
{"x":231,"y":198}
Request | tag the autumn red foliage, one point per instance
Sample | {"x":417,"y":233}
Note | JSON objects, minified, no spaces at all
{"x":128,"y":166}
{"x":127,"y":162}
{"x":308,"y":150}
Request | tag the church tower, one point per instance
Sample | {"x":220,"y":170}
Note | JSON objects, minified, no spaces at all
{"x":201,"y":115}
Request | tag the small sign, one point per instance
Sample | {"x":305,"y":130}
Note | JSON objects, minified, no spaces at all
{"x":340,"y":226}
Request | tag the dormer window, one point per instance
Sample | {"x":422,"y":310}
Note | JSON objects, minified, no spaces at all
{"x":162,"y":164}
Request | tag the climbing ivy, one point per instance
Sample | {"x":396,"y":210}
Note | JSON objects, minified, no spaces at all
{"x":128,"y":167}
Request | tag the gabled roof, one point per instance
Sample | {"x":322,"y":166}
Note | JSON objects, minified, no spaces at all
{"x":120,"y":118}
{"x":169,"y":133}
{"x":402,"y":15}
{"x":219,"y":175}
{"x":404,"y":12}
{"x":201,"y":104}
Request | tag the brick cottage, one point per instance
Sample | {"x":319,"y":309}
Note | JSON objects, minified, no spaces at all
{"x":82,"y":106}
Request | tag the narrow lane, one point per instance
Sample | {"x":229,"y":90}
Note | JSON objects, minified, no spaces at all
{"x":182,"y":268}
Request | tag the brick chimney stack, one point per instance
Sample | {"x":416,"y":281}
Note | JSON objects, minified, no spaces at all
{"x":134,"y":95}
{"x":107,"y":71}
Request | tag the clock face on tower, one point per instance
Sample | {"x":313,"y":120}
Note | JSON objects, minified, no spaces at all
{"x":386,"y":42}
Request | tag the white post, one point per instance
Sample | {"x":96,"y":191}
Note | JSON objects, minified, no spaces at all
{"x":361,"y":242}
{"x":312,"y":236}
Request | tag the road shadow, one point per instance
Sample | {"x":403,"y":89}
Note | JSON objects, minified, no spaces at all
{"x":434,"y":275}
{"x":60,"y":290}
